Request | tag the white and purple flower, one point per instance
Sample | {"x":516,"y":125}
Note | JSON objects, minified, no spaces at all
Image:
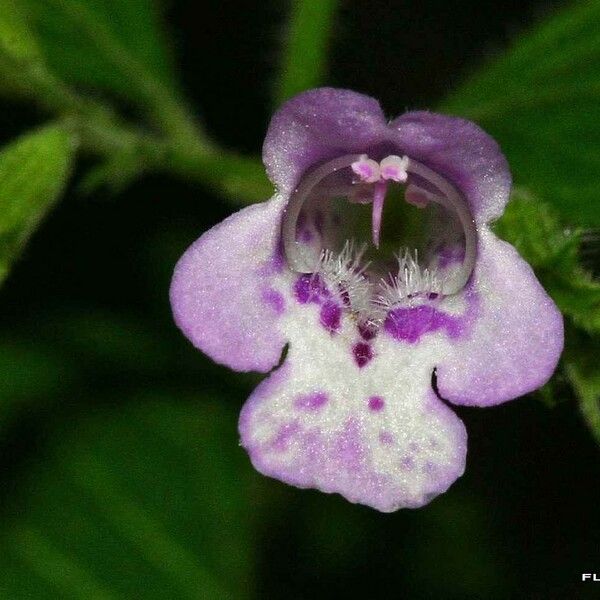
{"x":373,"y":346}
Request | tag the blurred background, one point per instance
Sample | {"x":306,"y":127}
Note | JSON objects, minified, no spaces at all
{"x":121,"y":472}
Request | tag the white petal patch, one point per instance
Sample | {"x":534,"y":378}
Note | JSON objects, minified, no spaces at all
{"x":376,"y":434}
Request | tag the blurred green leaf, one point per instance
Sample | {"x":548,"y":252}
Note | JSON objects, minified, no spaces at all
{"x":19,"y":51}
{"x":304,"y":58}
{"x":16,"y":39}
{"x":32,"y":373}
{"x":534,"y":229}
{"x":84,"y":40}
{"x":552,"y":249}
{"x":541,"y":101}
{"x":33,"y":171}
{"x":152,"y":499}
{"x":581,"y":366}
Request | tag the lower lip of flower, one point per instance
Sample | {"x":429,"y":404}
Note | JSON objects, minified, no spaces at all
{"x":363,"y":180}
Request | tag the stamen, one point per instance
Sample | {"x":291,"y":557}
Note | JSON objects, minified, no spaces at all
{"x":378,"y":201}
{"x":367,"y":169}
{"x":394,"y":168}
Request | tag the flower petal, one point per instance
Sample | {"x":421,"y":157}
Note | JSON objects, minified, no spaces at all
{"x":220,"y":292}
{"x":463,"y":153}
{"x":318,"y":125}
{"x":515,"y":339}
{"x":372,"y":431}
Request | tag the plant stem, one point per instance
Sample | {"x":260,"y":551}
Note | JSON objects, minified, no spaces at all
{"x":167,"y":111}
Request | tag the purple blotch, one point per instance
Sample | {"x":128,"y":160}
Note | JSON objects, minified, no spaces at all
{"x":349,"y":450}
{"x":429,"y":468}
{"x":409,"y":324}
{"x":312,"y":401}
{"x":285,"y":432}
{"x":330,"y":317}
{"x":367,"y":331}
{"x":386,"y":438}
{"x":376,"y":403}
{"x":407,"y":463}
{"x":274,"y":299}
{"x":363,"y":353}
{"x":310,"y":287}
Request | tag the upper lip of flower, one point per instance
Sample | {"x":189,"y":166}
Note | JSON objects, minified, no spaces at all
{"x":351,"y":409}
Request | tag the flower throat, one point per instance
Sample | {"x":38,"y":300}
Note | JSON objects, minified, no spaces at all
{"x":316,"y":240}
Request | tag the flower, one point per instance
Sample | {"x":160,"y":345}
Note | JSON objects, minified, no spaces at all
{"x":376,"y":351}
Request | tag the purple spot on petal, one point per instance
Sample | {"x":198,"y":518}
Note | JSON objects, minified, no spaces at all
{"x":348,"y":447}
{"x":363,"y":353}
{"x":274,"y":299}
{"x":409,"y":324}
{"x":330,"y":316}
{"x":310,"y":288}
{"x":386,"y":438}
{"x":376,"y":403}
{"x":312,"y":401}
{"x":285,"y":432}
{"x":367,"y":331}
{"x":408,"y":463}
{"x":429,"y":468}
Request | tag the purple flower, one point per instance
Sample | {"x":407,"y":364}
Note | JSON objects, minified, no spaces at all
{"x":353,"y":408}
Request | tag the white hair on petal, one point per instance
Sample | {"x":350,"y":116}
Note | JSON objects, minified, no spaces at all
{"x":344,"y":274}
{"x":411,"y":281}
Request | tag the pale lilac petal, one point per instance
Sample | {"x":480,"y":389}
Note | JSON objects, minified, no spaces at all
{"x":318,"y":125}
{"x":221,"y":295}
{"x":460,"y":151}
{"x":373,"y":432}
{"x":513,"y":343}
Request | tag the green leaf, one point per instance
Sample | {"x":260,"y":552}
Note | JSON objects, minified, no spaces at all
{"x":541,"y":101}
{"x":553,"y":251}
{"x":304,"y":58}
{"x":16,"y":39}
{"x":33,"y":171}
{"x":581,"y":366}
{"x":102,"y":43}
{"x":152,"y":499}
{"x":32,"y":374}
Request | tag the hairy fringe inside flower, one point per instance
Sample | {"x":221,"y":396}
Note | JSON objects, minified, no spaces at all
{"x":345,"y":276}
{"x":411,"y":281}
{"x":344,"y":273}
